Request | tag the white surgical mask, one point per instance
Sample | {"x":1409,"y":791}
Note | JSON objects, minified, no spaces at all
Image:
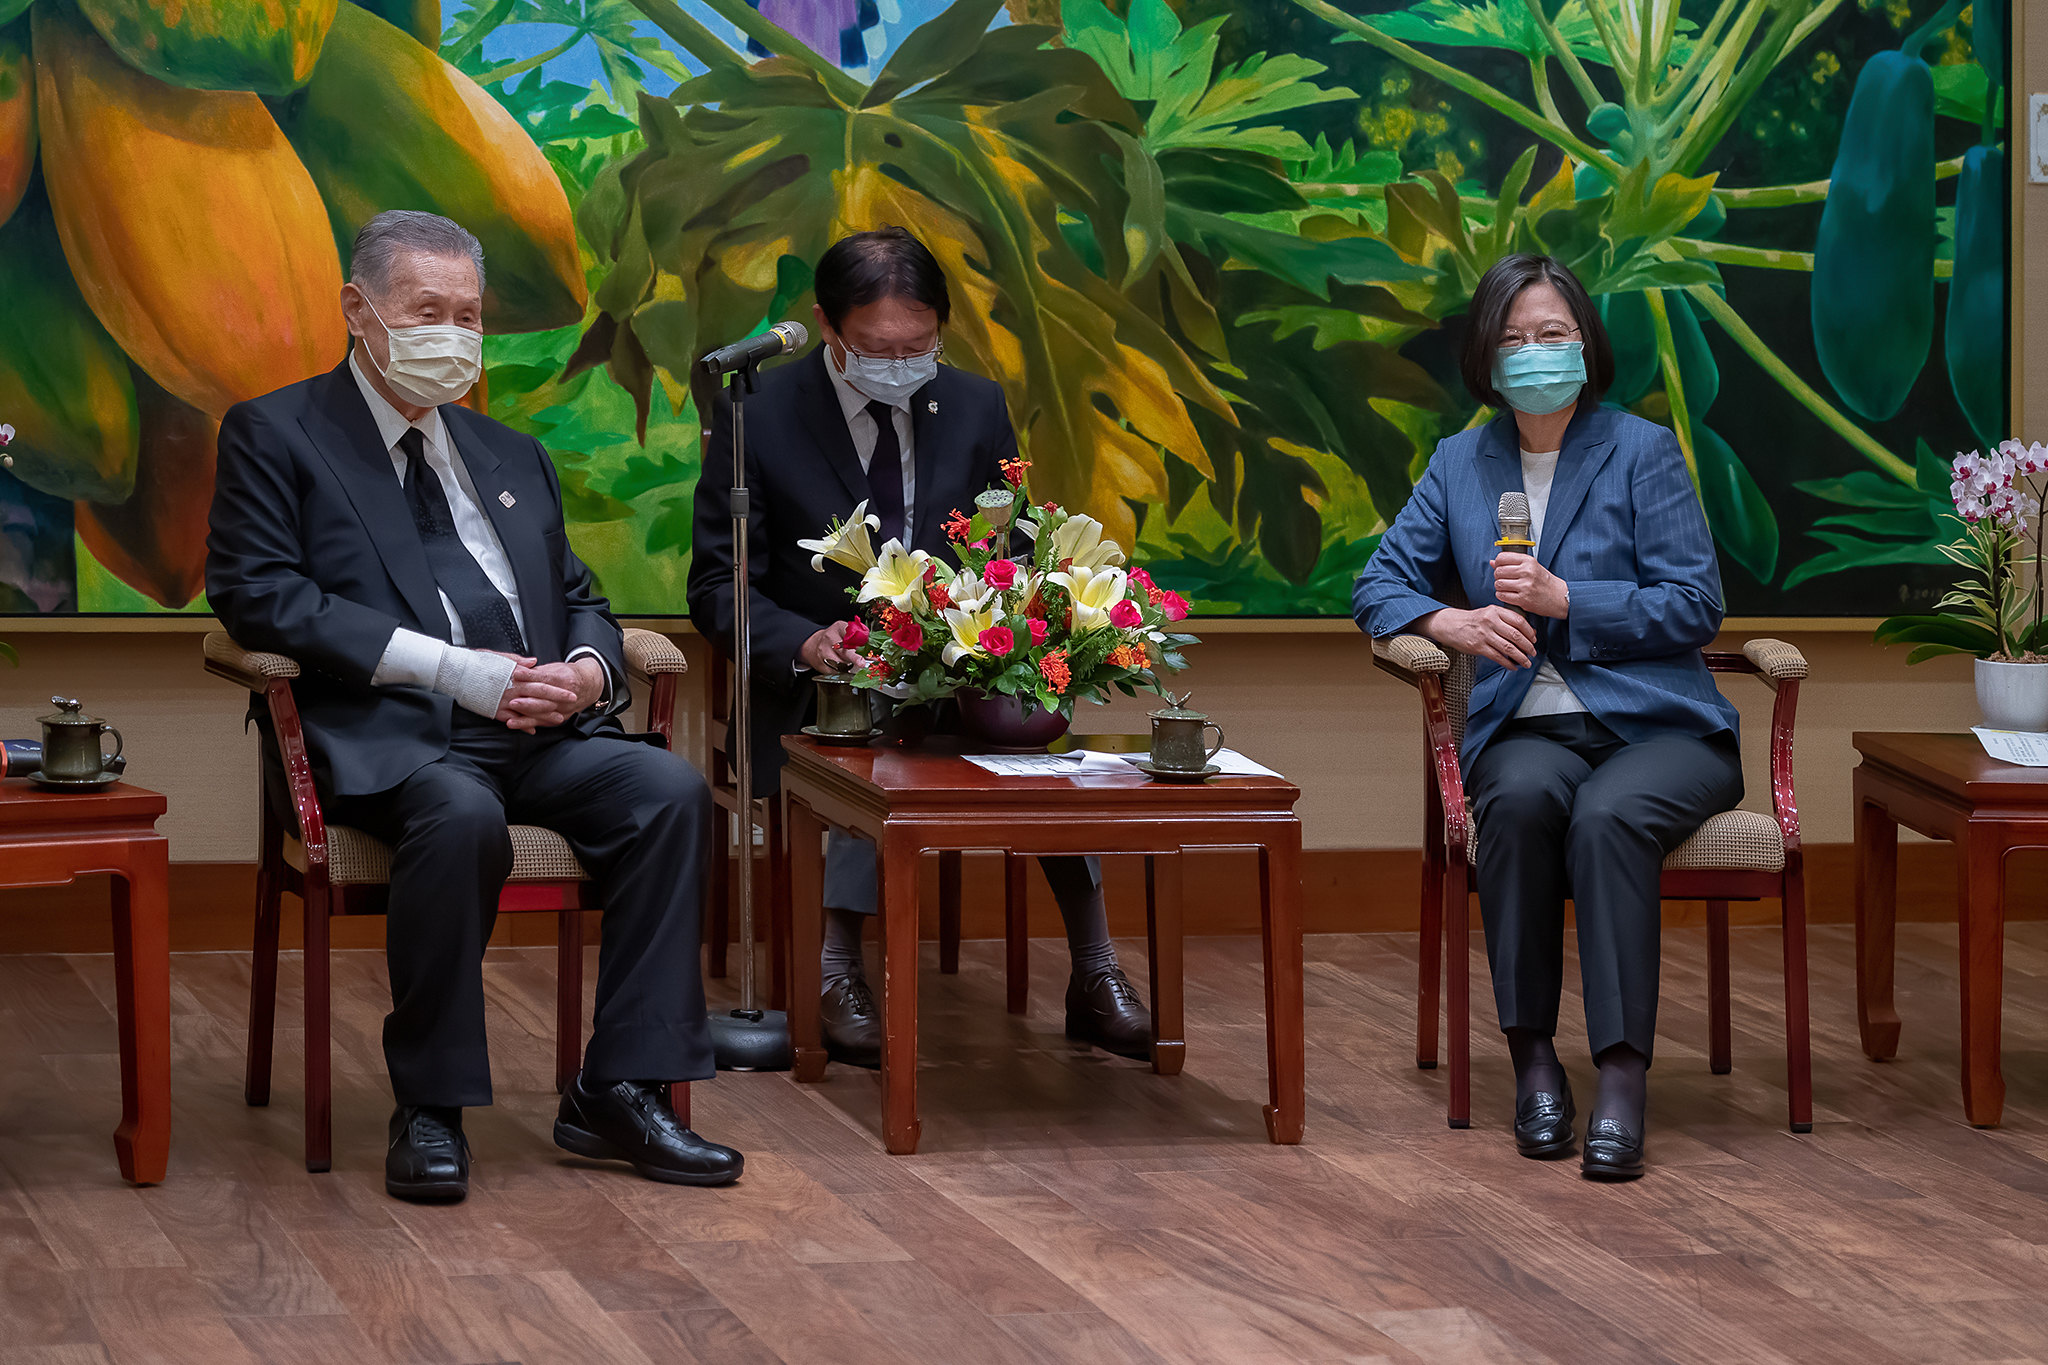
{"x":888,"y":379}
{"x":1541,"y":377}
{"x":431,"y":365}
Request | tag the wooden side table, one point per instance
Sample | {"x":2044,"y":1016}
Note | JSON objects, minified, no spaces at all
{"x":1946,"y":787}
{"x":51,"y":838}
{"x":911,"y":801}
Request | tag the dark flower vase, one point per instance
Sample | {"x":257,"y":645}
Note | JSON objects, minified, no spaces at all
{"x":1009,"y":724}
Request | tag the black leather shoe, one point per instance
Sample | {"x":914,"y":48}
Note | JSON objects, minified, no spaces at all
{"x":428,"y":1159}
{"x":852,"y":1024}
{"x":1612,"y":1151}
{"x":631,"y":1122}
{"x":1543,"y":1123}
{"x":1107,"y":1013}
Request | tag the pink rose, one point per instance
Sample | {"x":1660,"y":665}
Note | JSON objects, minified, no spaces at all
{"x":856,"y":635}
{"x":1125,"y":614}
{"x":1039,"y":630}
{"x":908,"y":636}
{"x":1175,"y":606}
{"x":1142,"y":579}
{"x":997,"y":640}
{"x":1000,"y":573}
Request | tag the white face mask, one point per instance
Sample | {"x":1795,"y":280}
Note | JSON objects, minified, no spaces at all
{"x":431,"y":365}
{"x":887,"y":379}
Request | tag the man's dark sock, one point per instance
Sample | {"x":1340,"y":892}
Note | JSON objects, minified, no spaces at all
{"x":1088,"y":936}
{"x":1624,"y":1089}
{"x":1536,"y":1065}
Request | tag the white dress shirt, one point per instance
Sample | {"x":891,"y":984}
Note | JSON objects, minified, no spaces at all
{"x":861,"y":423}
{"x":1549,"y":694}
{"x":412,"y":659}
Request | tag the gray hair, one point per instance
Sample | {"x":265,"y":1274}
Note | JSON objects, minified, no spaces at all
{"x":393,"y":231}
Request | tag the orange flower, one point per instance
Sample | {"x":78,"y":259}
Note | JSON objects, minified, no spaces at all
{"x":957,"y":527}
{"x":1126,"y":656}
{"x":1014,"y":471}
{"x":1054,"y":667}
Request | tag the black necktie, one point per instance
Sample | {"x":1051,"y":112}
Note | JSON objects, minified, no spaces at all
{"x":885,"y":473}
{"x":487,"y":620}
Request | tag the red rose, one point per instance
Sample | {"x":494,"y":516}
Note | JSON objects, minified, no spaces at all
{"x":856,"y":635}
{"x":997,"y":640}
{"x":1175,"y":606}
{"x":908,"y":636}
{"x":1125,"y":614}
{"x":1000,"y":573}
{"x":1141,"y":578}
{"x":1038,"y":630}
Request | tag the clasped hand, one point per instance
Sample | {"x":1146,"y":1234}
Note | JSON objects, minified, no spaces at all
{"x":1496,"y":632}
{"x":1520,"y":580}
{"x":544,"y":695}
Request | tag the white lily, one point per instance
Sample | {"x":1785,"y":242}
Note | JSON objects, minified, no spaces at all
{"x":897,"y":577}
{"x":968,"y":592}
{"x":847,"y":543}
{"x":966,"y":626}
{"x":1079,"y":538}
{"x":1093,"y":592}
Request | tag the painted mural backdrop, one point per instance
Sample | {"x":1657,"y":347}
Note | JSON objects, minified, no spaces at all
{"x":1216,"y":251}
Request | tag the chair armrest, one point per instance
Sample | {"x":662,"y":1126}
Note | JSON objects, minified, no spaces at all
{"x":249,"y":668}
{"x":1775,"y":659}
{"x":650,"y":654}
{"x":1409,"y":657}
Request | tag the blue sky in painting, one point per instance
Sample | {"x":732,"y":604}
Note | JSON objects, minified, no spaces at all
{"x":579,"y":65}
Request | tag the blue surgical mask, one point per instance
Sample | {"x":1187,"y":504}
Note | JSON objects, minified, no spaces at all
{"x":1540,"y":378}
{"x":890,"y":379}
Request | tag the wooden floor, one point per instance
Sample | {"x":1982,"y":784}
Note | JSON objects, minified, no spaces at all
{"x":1067,"y":1206}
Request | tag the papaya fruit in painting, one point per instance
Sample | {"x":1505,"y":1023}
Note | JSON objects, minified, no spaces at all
{"x":195,"y":235}
{"x":420,"y":18}
{"x":1974,"y":331}
{"x":267,"y":47}
{"x":63,"y":382}
{"x":155,"y":541}
{"x":386,"y":124}
{"x":1873,"y":262}
{"x":17,"y":117}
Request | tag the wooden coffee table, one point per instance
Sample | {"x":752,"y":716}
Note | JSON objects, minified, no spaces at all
{"x":911,"y":801}
{"x":50,"y":838}
{"x":1946,"y":787}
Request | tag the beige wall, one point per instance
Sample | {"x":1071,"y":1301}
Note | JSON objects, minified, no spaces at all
{"x":1309,"y":704}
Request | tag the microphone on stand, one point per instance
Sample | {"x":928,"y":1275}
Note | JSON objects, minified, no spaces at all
{"x":780,"y":339}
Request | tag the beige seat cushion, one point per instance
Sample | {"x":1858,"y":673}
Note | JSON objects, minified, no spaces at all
{"x":356,"y":859}
{"x":1733,"y":841}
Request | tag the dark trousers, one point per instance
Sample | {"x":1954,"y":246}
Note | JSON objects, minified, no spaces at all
{"x":1566,"y":808}
{"x":639,"y":820}
{"x":851,"y":877}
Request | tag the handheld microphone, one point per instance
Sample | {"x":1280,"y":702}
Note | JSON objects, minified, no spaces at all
{"x":1514,"y":524}
{"x":780,"y":339}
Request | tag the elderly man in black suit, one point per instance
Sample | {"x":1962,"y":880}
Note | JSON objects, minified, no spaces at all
{"x":462,"y":673}
{"x":870,"y":416}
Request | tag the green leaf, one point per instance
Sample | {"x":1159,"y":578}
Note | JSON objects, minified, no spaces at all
{"x":1509,"y":27}
{"x":1737,"y":511}
{"x":1865,"y":488}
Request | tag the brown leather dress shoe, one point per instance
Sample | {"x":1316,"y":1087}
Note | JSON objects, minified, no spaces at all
{"x":852,"y":1024}
{"x":1106,"y":1012}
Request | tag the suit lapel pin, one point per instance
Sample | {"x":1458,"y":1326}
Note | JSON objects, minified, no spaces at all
{"x":507,"y":499}
{"x":932,"y":407}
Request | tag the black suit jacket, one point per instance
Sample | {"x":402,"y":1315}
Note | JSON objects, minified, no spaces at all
{"x":802,"y":473}
{"x":312,"y":552}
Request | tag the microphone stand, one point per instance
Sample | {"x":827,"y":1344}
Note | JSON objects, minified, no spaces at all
{"x":748,"y":1038}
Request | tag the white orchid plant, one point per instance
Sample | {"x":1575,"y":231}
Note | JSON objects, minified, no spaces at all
{"x":1063,"y":622}
{"x":1996,"y":610}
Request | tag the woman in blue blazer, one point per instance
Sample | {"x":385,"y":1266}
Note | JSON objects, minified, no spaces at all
{"x":1597,"y":741}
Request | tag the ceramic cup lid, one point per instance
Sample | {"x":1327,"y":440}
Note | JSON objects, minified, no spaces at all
{"x":68,"y":713}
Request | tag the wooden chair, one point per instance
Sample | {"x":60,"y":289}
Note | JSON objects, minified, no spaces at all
{"x":336,"y":870}
{"x":1736,"y":855}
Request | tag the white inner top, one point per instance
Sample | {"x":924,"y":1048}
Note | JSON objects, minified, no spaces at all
{"x":1549,"y":694}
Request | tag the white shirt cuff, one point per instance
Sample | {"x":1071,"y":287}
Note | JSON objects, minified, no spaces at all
{"x":410,"y":660}
{"x":611,"y":684}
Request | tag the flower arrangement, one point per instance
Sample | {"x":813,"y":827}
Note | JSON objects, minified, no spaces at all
{"x":1064,"y":622}
{"x":1998,"y":602}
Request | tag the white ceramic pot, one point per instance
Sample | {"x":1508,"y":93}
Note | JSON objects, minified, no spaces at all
{"x":2013,"y":696}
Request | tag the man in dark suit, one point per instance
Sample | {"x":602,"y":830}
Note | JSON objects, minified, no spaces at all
{"x":462,"y":673}
{"x":870,"y":416}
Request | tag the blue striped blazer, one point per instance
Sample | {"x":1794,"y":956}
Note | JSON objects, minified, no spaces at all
{"x":1623,"y":529}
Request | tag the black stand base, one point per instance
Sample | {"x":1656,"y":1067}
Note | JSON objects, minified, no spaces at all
{"x":751,"y":1040}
